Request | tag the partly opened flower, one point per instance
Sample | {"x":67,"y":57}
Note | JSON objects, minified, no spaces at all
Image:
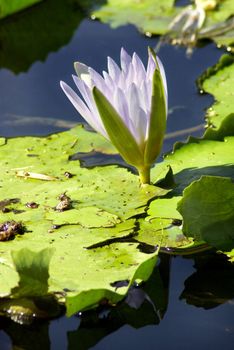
{"x":127,"y":105}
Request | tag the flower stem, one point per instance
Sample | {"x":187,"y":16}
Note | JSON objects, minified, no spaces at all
{"x":144,"y":174}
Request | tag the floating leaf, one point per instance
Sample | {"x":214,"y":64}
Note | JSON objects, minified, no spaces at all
{"x":207,"y":208}
{"x":9,"y":7}
{"x":230,"y":255}
{"x":91,"y":238}
{"x":155,"y":16}
{"x":189,"y":162}
{"x":149,"y":16}
{"x":218,"y":80}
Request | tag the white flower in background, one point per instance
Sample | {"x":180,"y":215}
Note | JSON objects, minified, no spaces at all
{"x":127,"y":105}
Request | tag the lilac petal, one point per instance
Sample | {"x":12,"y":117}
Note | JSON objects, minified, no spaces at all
{"x":125,"y":60}
{"x":145,"y":96}
{"x":121,"y":106}
{"x":150,"y":67}
{"x":82,"y":108}
{"x":137,"y":115}
{"x":162,"y":72}
{"x":164,"y":79}
{"x":86,"y":94}
{"x":113,"y":69}
{"x":130,"y":77}
{"x":109,"y":81}
{"x":139,"y":69}
{"x":141,"y":126}
{"x":83,"y":89}
{"x":99,"y":82}
{"x":81,"y":68}
{"x":82,"y":72}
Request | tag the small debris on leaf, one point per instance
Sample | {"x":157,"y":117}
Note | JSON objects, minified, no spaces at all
{"x":9,"y":229}
{"x":32,"y":205}
{"x":68,"y":175}
{"x":5,"y":202}
{"x":64,"y":204}
{"x":177,"y":222}
{"x":30,"y":175}
{"x":6,"y":210}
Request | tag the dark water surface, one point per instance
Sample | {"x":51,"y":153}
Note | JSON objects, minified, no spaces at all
{"x":194,"y":307}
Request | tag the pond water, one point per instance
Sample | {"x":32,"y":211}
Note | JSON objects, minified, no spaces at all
{"x":194,"y":307}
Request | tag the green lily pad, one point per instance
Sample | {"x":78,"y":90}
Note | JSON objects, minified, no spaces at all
{"x":207,"y":208}
{"x":149,"y":16}
{"x":218,"y":80}
{"x":230,"y":255}
{"x":155,"y":16}
{"x":9,"y":7}
{"x":91,"y":237}
{"x":162,"y":232}
{"x":189,"y":162}
{"x":87,"y":217}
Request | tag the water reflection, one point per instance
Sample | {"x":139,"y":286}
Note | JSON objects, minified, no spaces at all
{"x":26,"y":337}
{"x":98,"y":324}
{"x":212,"y":284}
{"x":31,"y":35}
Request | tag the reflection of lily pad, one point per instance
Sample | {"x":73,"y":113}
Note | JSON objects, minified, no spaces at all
{"x":201,"y":288}
{"x":150,"y":312}
{"x":9,"y":7}
{"x":32,"y":35}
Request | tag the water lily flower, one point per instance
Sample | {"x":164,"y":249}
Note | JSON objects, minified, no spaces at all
{"x":127,"y":105}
